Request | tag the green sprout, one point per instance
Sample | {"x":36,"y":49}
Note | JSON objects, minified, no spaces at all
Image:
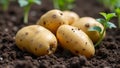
{"x":117,"y":10}
{"x":114,"y":6}
{"x":26,"y":4}
{"x":4,"y":4}
{"x":106,"y":24}
{"x":63,"y":4}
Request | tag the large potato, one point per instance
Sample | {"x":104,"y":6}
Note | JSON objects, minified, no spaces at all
{"x":71,"y":16}
{"x":36,"y":39}
{"x":75,"y":40}
{"x":52,"y":20}
{"x":85,"y":23}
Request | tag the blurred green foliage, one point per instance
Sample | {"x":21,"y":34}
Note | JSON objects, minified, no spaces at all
{"x":114,"y":6}
{"x":111,"y":4}
{"x":4,"y":4}
{"x":63,"y":4}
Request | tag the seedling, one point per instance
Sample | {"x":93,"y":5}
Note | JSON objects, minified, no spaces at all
{"x":105,"y":22}
{"x":63,"y":4}
{"x":4,"y":4}
{"x":114,"y":6}
{"x":26,"y":4}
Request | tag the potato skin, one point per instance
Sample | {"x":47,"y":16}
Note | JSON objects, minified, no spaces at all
{"x":36,"y":40}
{"x":71,"y":16}
{"x":75,"y":40}
{"x":85,"y":23}
{"x":52,"y":20}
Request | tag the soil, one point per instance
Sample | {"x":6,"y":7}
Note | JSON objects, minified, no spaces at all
{"x":107,"y":53}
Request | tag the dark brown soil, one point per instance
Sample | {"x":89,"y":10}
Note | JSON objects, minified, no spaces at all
{"x":107,"y":54}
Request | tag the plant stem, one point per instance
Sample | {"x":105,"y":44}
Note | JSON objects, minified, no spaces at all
{"x":118,"y":21}
{"x":26,"y":13}
{"x":101,"y":37}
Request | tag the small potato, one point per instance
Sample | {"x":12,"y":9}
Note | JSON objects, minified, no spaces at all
{"x":52,"y":20}
{"x":36,"y":40}
{"x":85,"y":23}
{"x":75,"y":40}
{"x":71,"y":16}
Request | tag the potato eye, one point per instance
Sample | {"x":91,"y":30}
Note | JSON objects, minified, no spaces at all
{"x":61,"y":14}
{"x":87,"y":25}
{"x":54,"y":16}
{"x":76,"y":51}
{"x":26,"y":33}
{"x":44,"y":22}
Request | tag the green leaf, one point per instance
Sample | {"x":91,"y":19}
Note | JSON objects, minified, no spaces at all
{"x":95,"y":28}
{"x":117,"y":10}
{"x":103,"y":14}
{"x":26,"y":2}
{"x":108,"y":16}
{"x":23,"y":3}
{"x":38,"y":2}
{"x":111,"y":25}
{"x":100,"y":20}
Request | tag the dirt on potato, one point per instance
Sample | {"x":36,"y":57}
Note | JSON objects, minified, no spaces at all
{"x":107,"y":54}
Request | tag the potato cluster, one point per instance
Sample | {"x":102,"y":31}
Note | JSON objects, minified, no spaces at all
{"x":65,"y":27}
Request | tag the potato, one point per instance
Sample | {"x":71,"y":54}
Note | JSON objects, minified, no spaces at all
{"x":71,"y":16}
{"x":85,"y":23}
{"x":75,"y":40}
{"x":36,"y":40}
{"x":52,"y":20}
